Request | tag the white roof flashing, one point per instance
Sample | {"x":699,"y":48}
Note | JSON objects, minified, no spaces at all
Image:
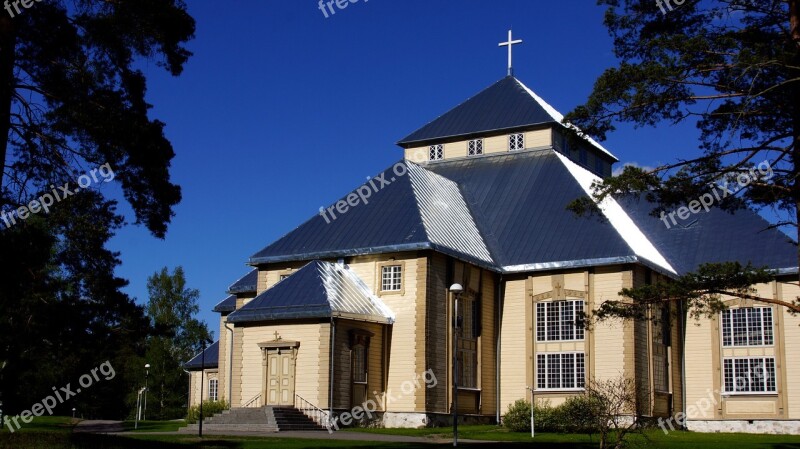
{"x":559,"y":117}
{"x":618,"y":218}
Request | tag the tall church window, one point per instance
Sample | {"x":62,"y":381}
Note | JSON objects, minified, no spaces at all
{"x":360,"y":363}
{"x":516,"y":142}
{"x":468,"y":314}
{"x":747,"y":326}
{"x":561,"y":371}
{"x":661,"y":342}
{"x":436,"y":152}
{"x":749,"y":375}
{"x":475,"y":147}
{"x":213,"y":390}
{"x":560,"y":320}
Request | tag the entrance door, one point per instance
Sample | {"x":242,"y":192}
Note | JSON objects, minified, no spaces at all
{"x":280,"y":377}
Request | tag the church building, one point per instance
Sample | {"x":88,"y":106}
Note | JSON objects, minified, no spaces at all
{"x":354,"y":308}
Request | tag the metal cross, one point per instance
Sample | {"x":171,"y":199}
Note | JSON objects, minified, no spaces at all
{"x":277,"y":336}
{"x":511,"y":42}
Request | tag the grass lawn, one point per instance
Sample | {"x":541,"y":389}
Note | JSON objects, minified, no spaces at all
{"x":55,"y":433}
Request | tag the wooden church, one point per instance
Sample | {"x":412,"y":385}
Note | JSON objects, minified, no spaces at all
{"x":354,"y":309}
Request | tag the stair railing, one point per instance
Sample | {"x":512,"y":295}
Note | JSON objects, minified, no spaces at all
{"x":315,"y":413}
{"x":253,"y":403}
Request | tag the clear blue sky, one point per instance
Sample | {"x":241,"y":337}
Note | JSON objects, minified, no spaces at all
{"x":281,"y":111}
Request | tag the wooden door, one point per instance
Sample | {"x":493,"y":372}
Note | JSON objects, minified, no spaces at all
{"x":280,"y":377}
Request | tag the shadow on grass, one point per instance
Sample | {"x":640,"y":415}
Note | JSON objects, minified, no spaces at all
{"x":56,"y":440}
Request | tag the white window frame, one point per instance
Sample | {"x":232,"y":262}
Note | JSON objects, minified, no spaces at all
{"x":545,"y":327}
{"x":213,"y":393}
{"x":475,"y":147}
{"x":764,"y":367}
{"x":578,"y":371}
{"x":516,"y":142}
{"x":766,"y":327}
{"x":436,"y":152}
{"x":395,"y":278}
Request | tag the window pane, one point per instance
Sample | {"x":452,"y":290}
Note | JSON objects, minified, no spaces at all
{"x":567,"y":321}
{"x":391,"y":278}
{"x":359,"y":364}
{"x":553,"y":328}
{"x":726,"y":328}
{"x":568,"y":371}
{"x":739,"y":327}
{"x":541,"y":321}
{"x":541,"y":371}
{"x":767,"y":319}
{"x":755,"y":336}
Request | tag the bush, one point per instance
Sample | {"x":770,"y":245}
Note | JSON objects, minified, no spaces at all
{"x":518,"y":416}
{"x":581,"y":414}
{"x":547,"y":418}
{"x":210,"y":408}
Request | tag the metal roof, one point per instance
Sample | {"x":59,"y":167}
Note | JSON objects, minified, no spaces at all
{"x":507,"y":212}
{"x":318,"y":290}
{"x":506,"y":105}
{"x":246,"y":284}
{"x":715,"y":236}
{"x":416,"y":211}
{"x":519,"y":203}
{"x":211,"y":358}
{"x":226,"y":305}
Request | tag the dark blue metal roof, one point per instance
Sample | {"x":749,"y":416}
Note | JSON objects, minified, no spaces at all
{"x":714,"y":236}
{"x":390,"y":219}
{"x":247,"y":284}
{"x":226,"y":305}
{"x":318,"y":290}
{"x":504,"y":105}
{"x":211,"y":358}
{"x":519,"y":203}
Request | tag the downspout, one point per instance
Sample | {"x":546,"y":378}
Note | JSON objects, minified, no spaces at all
{"x":330,"y":377}
{"x":230,"y":366}
{"x":497,"y":349}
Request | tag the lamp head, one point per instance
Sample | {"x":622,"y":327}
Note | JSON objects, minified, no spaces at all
{"x":147,"y":366}
{"x":456,"y":288}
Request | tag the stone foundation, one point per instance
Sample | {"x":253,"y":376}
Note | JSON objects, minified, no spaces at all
{"x":773,"y":427}
{"x":421,"y":420}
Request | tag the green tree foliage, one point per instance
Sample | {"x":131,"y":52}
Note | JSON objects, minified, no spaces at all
{"x":73,"y":99}
{"x":732,"y":67}
{"x":178,"y":337}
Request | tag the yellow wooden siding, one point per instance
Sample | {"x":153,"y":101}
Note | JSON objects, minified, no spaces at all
{"x":513,"y":349}
{"x":223,"y":360}
{"x":310,"y":367}
{"x":194,"y":386}
{"x":612,"y":356}
{"x":540,"y":138}
{"x":791,"y":340}
{"x":488,"y":348}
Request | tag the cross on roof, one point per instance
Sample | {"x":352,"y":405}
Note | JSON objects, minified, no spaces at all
{"x":511,"y":42}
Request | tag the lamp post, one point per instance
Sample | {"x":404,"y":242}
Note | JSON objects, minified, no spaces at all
{"x":456,"y":290}
{"x":532,"y":422}
{"x":146,"y":375}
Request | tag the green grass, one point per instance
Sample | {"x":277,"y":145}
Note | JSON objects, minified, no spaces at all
{"x":154,"y":426}
{"x":55,"y":433}
{"x":44,"y":424}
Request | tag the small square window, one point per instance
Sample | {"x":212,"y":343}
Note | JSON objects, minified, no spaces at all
{"x":475,"y":147}
{"x":516,"y":142}
{"x":284,"y":276}
{"x":436,"y":152}
{"x":391,"y":278}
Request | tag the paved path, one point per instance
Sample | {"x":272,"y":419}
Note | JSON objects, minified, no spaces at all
{"x":115,"y":427}
{"x":97,"y":426}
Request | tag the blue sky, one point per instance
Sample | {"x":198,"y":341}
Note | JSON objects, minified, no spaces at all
{"x":282,"y":110}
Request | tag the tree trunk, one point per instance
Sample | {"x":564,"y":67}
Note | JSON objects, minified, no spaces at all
{"x":794,"y":24}
{"x":8,"y":41}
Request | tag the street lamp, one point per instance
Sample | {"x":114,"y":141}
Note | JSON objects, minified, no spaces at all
{"x":146,"y":375}
{"x":456,"y":290}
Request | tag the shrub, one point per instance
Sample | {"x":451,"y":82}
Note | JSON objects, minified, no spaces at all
{"x":210,"y":408}
{"x":547,"y":418}
{"x":581,"y":414}
{"x":518,"y":416}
